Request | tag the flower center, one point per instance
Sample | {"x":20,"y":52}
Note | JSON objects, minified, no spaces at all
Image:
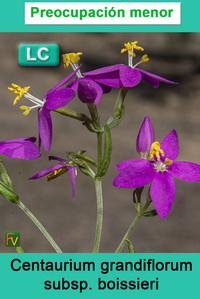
{"x":160,"y":166}
{"x":155,"y":153}
{"x":72,"y":59}
{"x":23,"y":91}
{"x":130,"y":47}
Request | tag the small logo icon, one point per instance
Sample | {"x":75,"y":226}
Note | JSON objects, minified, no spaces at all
{"x":12,"y":239}
{"x":39,"y":54}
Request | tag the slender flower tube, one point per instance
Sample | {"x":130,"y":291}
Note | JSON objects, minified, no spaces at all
{"x":145,"y":138}
{"x":57,"y":170}
{"x":55,"y":98}
{"x":159,"y":171}
{"x":87,"y":89}
{"x":127,"y":75}
{"x":22,"y":148}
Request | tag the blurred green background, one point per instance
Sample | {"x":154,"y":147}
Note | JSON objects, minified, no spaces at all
{"x":72,"y":222}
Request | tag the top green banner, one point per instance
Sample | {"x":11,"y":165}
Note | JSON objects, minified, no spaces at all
{"x":100,"y":16}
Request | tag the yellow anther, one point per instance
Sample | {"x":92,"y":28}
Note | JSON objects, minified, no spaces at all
{"x":134,"y":45}
{"x":130,"y":48}
{"x":56,"y":173}
{"x":156,"y":150}
{"x":168,"y":161}
{"x":26,"y":108}
{"x":18,"y":90}
{"x":71,"y":58}
{"x":145,"y":58}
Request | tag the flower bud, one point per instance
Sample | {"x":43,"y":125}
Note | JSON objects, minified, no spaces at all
{"x":145,"y":138}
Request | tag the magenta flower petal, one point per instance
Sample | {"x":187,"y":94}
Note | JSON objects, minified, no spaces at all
{"x":108,"y":76}
{"x":170,"y":145}
{"x":62,"y":82}
{"x":162,"y":193}
{"x":186,"y":171}
{"x":129,"y":77}
{"x":112,"y":82}
{"x":74,"y":85}
{"x":46,"y":171}
{"x":134,"y":163}
{"x":59,"y":98}
{"x":135,"y":176}
{"x":57,"y":159}
{"x":72,"y":173}
{"x":103,"y":70}
{"x":145,"y":136}
{"x":105,"y":88}
{"x":22,"y":148}
{"x":153,"y":79}
{"x":32,"y":139}
{"x":89,"y":91}
{"x":45,"y":128}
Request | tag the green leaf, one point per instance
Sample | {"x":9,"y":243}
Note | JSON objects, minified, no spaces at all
{"x":120,"y":99}
{"x":151,"y":213}
{"x":130,"y":246}
{"x":4,"y":175}
{"x":137,"y":193}
{"x":107,"y":153}
{"x":86,"y":171}
{"x":120,"y":116}
{"x":8,"y":194}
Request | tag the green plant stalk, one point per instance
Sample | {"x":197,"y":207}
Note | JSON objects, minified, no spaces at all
{"x":19,"y":249}
{"x":73,"y":114}
{"x":99,"y":197}
{"x":97,"y":181}
{"x":99,"y":149}
{"x":118,"y":105}
{"x":40,"y":226}
{"x":131,"y":227}
{"x":99,"y":223}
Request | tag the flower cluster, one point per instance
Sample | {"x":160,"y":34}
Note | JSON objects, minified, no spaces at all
{"x":90,"y":87}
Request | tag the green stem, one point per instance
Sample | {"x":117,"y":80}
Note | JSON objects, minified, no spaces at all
{"x":99,"y":149}
{"x":73,"y":114}
{"x":19,"y":249}
{"x":98,"y":186}
{"x":118,"y":105}
{"x":96,"y":123}
{"x":40,"y":226}
{"x":94,"y":115}
{"x":131,"y":227}
{"x":99,"y":223}
{"x":128,"y":233}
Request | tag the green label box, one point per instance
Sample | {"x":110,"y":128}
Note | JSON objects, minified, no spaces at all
{"x":12,"y":239}
{"x":38,"y":54}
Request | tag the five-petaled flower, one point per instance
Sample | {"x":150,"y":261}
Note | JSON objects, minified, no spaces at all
{"x":55,"y":98}
{"x":126,"y":75}
{"x":87,"y":89}
{"x":57,"y":170}
{"x":21,"y":148}
{"x":159,"y":171}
